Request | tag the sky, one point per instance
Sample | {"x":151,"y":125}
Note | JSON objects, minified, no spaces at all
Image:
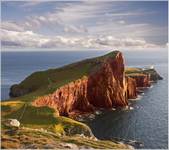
{"x":83,"y":25}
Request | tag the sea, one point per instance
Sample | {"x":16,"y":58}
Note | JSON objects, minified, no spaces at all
{"x":146,"y":123}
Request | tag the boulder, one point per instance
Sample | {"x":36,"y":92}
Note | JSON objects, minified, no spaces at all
{"x":12,"y":123}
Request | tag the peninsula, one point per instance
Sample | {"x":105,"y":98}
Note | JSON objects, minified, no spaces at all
{"x":49,"y":102}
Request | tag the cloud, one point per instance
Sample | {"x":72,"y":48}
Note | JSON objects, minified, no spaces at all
{"x":82,"y":24}
{"x":31,"y":3}
{"x":11,"y":26}
{"x":139,"y":13}
{"x":121,"y":22}
{"x":50,"y":18}
{"x":74,"y":29}
{"x":33,"y":40}
{"x":78,"y":17}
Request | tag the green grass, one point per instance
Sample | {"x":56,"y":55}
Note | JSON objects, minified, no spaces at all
{"x":40,"y":139}
{"x":97,"y":144}
{"x":132,"y":70}
{"x":72,"y":127}
{"x":6,"y":108}
{"x":140,"y":71}
{"x":135,"y":74}
{"x":42,"y":117}
{"x":29,"y":114}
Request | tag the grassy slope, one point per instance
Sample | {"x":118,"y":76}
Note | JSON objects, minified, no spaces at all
{"x":42,"y":117}
{"x":129,"y":71}
{"x":45,"y":82}
{"x":33,"y":139}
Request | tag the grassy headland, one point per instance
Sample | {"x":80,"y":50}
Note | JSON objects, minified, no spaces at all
{"x":41,"y":125}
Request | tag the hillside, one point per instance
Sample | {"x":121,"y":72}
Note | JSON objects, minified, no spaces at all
{"x":44,"y":122}
{"x":45,"y":82}
{"x":45,"y":99}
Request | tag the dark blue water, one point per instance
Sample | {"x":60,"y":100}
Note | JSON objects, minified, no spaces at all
{"x":147,"y":123}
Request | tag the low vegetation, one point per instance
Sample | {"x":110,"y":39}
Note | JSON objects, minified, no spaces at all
{"x":26,"y":138}
{"x":43,"y":117}
{"x":41,"y":127}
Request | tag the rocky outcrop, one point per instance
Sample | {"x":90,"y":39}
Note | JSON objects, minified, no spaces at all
{"x":142,"y":80}
{"x":12,"y":123}
{"x":16,"y":91}
{"x":105,"y":88}
{"x":131,"y":91}
{"x":154,"y":76}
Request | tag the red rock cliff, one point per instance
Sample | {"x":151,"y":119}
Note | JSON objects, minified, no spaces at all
{"x":131,"y":91}
{"x":106,"y":87}
{"x":142,"y":80}
{"x":68,"y":98}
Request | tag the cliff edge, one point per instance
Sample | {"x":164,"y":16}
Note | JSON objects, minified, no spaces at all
{"x":45,"y":97}
{"x":101,"y":82}
{"x":104,"y":87}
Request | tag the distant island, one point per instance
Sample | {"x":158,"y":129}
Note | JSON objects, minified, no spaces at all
{"x":50,"y":103}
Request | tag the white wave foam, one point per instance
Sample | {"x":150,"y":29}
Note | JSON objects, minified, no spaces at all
{"x":113,"y":109}
{"x":97,"y":112}
{"x":137,"y":107}
{"x":139,"y":97}
{"x":151,"y":86}
{"x":128,"y":108}
{"x":91,"y":117}
{"x":131,"y":108}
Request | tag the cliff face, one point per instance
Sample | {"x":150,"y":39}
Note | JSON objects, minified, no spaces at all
{"x":142,"y":80}
{"x":16,"y":91}
{"x":131,"y":91}
{"x":154,"y":76}
{"x":69,"y":98}
{"x":106,"y":87}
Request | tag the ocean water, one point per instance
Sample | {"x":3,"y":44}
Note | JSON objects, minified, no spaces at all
{"x":147,"y":122}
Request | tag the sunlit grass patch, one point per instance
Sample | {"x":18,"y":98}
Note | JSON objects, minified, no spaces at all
{"x":8,"y":107}
{"x":129,"y":70}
